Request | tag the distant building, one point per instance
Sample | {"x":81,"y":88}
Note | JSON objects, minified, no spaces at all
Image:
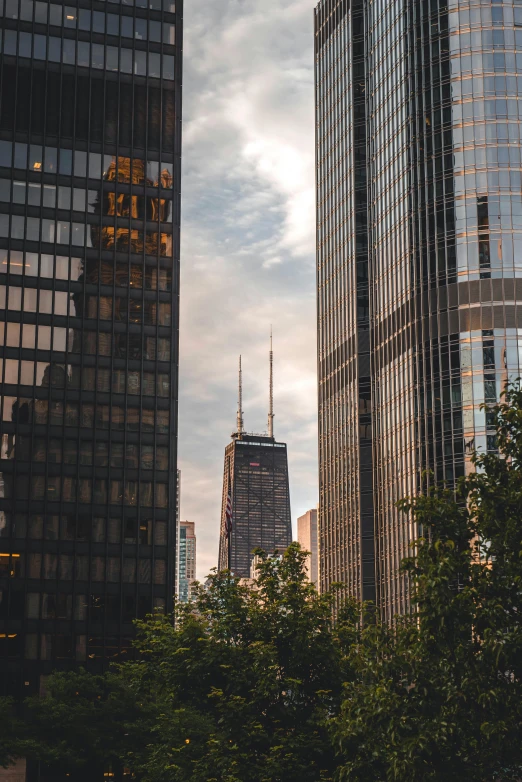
{"x":256,"y":475}
{"x":187,"y":559}
{"x":178,"y":518}
{"x":307,"y":537}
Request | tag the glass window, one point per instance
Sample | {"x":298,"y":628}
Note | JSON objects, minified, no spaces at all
{"x":160,"y":571}
{"x":26,"y":10}
{"x":98,"y":530}
{"x":83,"y":53}
{"x":126,"y":61}
{"x":55,"y":49}
{"x":69,"y":17}
{"x":168,"y":66}
{"x":169,"y":35}
{"x":80,"y":163}
{"x":113,"y":24}
{"x":113,"y":569}
{"x":140,"y":63}
{"x":66,"y":161}
{"x":48,"y":193}
{"x":25,"y":41}
{"x":140,"y":29}
{"x":97,"y":55}
{"x":51,"y":156}
{"x":6,"y":149}
{"x":154,"y":64}
{"x":33,"y":605}
{"x":84,"y":19}
{"x":79,"y":195}
{"x":129,"y":570}
{"x":69,"y":51}
{"x":98,"y":22}
{"x":127,"y":26}
{"x":55,"y":15}
{"x":154,"y":31}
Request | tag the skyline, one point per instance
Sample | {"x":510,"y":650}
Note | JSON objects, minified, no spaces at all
{"x":248,"y":235}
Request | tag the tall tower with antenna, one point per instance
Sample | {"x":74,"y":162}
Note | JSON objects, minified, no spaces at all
{"x":271,"y":390}
{"x":239,"y":421}
{"x":256,"y":475}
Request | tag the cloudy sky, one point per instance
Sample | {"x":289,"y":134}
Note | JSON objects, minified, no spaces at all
{"x":247,"y":254}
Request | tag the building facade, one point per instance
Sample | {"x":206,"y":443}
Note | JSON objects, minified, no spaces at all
{"x":256,"y":474}
{"x":307,"y":538}
{"x":187,"y":559}
{"x":90,"y":142}
{"x":425,"y":97}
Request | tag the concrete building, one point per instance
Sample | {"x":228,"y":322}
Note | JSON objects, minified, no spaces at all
{"x":187,"y":559}
{"x":307,"y":537}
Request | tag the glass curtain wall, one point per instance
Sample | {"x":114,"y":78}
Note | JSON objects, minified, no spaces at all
{"x":90,"y":101}
{"x":443,"y":110}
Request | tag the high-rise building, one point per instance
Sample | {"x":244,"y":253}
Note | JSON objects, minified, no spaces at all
{"x":307,"y":537}
{"x":187,"y":559}
{"x":178,"y":519}
{"x":419,"y":251}
{"x":90,"y":124}
{"x":256,"y":479}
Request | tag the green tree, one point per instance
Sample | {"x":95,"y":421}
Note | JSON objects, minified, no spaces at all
{"x":83,"y":726}
{"x":439,"y":695}
{"x":240,"y":689}
{"x":12,"y":732}
{"x":245,"y":683}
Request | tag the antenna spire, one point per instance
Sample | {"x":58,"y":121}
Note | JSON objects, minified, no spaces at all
{"x":271,"y":394}
{"x":240,"y":403}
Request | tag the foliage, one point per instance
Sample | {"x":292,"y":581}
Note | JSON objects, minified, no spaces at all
{"x":12,"y":733}
{"x":247,"y":680}
{"x":241,"y":688}
{"x":439,"y":695}
{"x":83,"y":725}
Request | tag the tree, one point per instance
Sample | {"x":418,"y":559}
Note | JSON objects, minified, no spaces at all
{"x":83,"y":726}
{"x":438,"y":696}
{"x":241,"y":688}
{"x":12,"y":733}
{"x":245,"y":682}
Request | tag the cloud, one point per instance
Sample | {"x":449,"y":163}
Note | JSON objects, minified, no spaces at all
{"x":247,"y":243}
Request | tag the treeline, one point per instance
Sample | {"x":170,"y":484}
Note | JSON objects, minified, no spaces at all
{"x":260,"y":685}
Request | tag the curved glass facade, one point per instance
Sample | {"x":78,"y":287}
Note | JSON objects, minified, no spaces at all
{"x":444,"y":230}
{"x":90,"y":98}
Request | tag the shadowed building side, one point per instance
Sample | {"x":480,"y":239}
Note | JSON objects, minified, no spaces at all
{"x":256,"y":469}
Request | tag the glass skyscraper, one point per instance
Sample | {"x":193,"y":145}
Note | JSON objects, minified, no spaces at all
{"x":90,"y":144}
{"x":256,"y":474}
{"x":419,"y":237}
{"x":186,"y":560}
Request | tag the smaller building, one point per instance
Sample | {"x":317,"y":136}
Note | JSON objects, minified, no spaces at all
{"x":187,"y":560}
{"x":307,"y":537}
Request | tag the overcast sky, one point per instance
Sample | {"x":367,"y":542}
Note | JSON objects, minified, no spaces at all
{"x":247,"y":249}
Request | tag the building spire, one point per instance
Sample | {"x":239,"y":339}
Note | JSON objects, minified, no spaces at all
{"x":240,"y":403}
{"x":271,"y":392}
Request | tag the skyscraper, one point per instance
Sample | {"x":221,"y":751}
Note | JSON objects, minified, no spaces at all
{"x":90,"y":118}
{"x":419,"y":251}
{"x":187,"y":559}
{"x":307,"y":537}
{"x":256,"y":477}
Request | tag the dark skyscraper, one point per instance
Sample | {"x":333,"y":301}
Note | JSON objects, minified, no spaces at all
{"x":90,"y":125}
{"x":256,"y":475}
{"x":419,"y":237}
